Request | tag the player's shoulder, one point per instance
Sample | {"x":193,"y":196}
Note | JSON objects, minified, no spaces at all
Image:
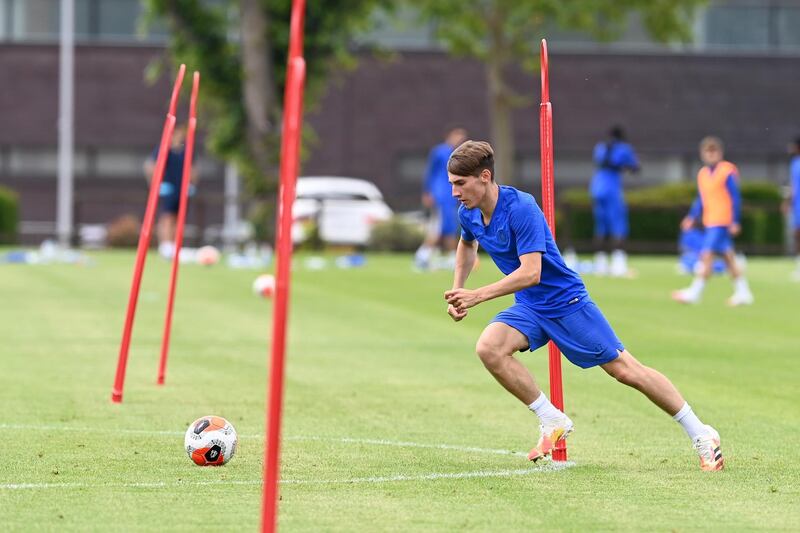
{"x":516,"y":201}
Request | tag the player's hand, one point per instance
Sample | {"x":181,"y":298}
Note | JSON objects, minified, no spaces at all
{"x":462,"y":299}
{"x":687,"y":223}
{"x":734,"y":229}
{"x":455,"y":314}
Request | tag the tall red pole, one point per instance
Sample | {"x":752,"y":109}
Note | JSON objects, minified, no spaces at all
{"x":290,"y":156}
{"x":549,"y":208}
{"x":180,"y":223}
{"x":144,"y":237}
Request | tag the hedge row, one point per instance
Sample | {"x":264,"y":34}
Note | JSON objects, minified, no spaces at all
{"x":9,"y":216}
{"x":655,"y":214}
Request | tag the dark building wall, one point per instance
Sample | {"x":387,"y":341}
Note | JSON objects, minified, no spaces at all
{"x":387,"y":109}
{"x":113,"y":104}
{"x":380,"y":120}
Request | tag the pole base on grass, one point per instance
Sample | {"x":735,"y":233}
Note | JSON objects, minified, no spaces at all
{"x":116,"y":397}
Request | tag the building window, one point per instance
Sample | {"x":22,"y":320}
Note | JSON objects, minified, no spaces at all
{"x":411,"y":168}
{"x":119,"y":162}
{"x":41,"y":162}
{"x":95,"y":20}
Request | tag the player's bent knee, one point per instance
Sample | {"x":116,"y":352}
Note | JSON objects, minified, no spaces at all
{"x":491,"y":354}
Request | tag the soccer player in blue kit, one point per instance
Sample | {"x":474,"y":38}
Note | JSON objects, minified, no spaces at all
{"x":551,"y":303}
{"x":612,"y":158}
{"x":793,"y":202}
{"x":169,"y":196}
{"x":436,"y":197}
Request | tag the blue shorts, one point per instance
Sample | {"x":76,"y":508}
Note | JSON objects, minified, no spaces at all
{"x":717,"y":239}
{"x":610,"y":216}
{"x":796,"y":212}
{"x":448,"y":218}
{"x":583,"y":336}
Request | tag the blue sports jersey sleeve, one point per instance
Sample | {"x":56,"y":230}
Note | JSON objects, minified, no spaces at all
{"x":527,"y":224}
{"x":466,"y":234}
{"x":599,"y":153}
{"x":625,"y":157}
{"x":736,"y":198}
{"x":794,"y":171}
{"x":696,"y":210}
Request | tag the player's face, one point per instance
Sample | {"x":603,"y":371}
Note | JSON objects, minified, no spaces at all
{"x":711,"y":154}
{"x":469,"y":190}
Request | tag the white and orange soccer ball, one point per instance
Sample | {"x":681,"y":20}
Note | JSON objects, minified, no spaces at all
{"x":210,"y":441}
{"x":207,"y":256}
{"x":264,"y":285}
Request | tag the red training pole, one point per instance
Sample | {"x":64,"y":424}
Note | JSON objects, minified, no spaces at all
{"x":144,"y":238}
{"x":549,"y":208}
{"x":180,"y":223}
{"x":296,"y":25}
{"x":290,"y":154}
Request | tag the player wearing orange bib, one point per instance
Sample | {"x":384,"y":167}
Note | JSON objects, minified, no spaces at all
{"x":718,"y":205}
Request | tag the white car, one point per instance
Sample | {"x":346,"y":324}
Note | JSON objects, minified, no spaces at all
{"x":344,"y":208}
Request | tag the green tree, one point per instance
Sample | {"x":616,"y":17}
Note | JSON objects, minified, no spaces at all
{"x":505,"y":33}
{"x":240,"y":48}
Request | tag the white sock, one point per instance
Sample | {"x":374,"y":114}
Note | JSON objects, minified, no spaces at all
{"x":619,"y":263}
{"x":423,"y":255}
{"x":691,"y":424}
{"x":601,"y":263}
{"x":544,"y":409}
{"x":740,"y":284}
{"x":697,"y":286}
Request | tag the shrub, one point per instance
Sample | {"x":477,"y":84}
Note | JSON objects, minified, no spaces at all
{"x":396,"y":235}
{"x":655,"y":214}
{"x":123,"y":232}
{"x":9,"y":216}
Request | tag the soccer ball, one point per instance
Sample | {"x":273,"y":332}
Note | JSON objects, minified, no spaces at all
{"x":210,"y":441}
{"x":207,"y":255}
{"x":264,"y":285}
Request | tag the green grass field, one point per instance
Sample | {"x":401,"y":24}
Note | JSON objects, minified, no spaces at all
{"x":391,"y":422}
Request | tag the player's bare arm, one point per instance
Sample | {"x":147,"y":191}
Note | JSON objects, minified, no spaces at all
{"x":466,"y":253}
{"x":527,"y":275}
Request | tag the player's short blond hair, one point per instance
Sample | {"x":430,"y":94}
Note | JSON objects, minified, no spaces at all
{"x":471,"y":158}
{"x":710,"y":141}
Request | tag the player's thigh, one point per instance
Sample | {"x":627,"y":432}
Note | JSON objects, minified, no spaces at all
{"x":499,"y":338}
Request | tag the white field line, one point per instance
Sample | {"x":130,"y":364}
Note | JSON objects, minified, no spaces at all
{"x":344,"y":440}
{"x":547,"y":467}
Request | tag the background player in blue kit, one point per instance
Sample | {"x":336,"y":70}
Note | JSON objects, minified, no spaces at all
{"x":169,"y":196}
{"x":613,"y":157}
{"x":436,"y":197}
{"x":551,"y":303}
{"x":792,"y":205}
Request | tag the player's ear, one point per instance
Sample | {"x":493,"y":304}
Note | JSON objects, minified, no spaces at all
{"x":486,"y":175}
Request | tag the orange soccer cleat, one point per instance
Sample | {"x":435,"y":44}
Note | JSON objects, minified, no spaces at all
{"x":551,"y":434}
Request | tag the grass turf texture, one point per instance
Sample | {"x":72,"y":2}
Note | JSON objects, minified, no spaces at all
{"x":373,"y":356}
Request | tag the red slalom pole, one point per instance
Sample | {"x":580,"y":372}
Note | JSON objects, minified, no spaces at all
{"x":549,"y":208}
{"x":144,"y":238}
{"x":180,"y":223}
{"x":290,"y":162}
{"x":296,"y":25}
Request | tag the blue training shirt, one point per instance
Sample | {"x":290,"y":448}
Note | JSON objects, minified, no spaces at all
{"x":437,"y":183}
{"x":173,"y":171}
{"x":611,"y":159}
{"x":518,"y":227}
{"x":794,"y":171}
